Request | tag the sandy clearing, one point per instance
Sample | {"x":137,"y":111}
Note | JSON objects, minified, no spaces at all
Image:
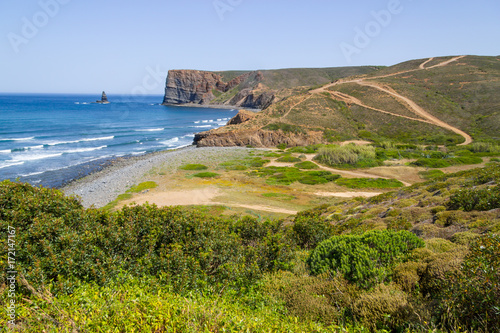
{"x":201,"y":196}
{"x":348,"y":194}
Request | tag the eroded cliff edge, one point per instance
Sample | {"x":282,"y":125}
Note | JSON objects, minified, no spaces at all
{"x":210,"y":88}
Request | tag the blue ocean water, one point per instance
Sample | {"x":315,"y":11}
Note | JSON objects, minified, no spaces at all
{"x":49,"y":139}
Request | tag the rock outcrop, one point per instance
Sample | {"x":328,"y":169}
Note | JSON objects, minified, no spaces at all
{"x":241,"y":117}
{"x":255,"y":138}
{"x":104,"y":99}
{"x":201,"y":87}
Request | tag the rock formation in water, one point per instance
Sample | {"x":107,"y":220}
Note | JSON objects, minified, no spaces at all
{"x":104,"y":99}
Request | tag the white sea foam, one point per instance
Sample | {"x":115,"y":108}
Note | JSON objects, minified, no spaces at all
{"x":10,"y":163}
{"x":210,"y":121}
{"x":204,"y":121}
{"x":6,"y":151}
{"x":77,"y":102}
{"x":82,"y":150}
{"x":170,"y":142}
{"x":18,"y":139}
{"x":219,"y":119}
{"x":201,"y":126}
{"x":98,"y":139}
{"x":150,"y":130}
{"x":34,"y":157}
{"x":197,"y":122}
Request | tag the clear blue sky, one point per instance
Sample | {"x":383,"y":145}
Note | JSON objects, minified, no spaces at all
{"x":85,"y":46}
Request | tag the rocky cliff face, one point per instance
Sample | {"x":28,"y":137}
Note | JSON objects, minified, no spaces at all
{"x":201,"y":87}
{"x":255,"y":138}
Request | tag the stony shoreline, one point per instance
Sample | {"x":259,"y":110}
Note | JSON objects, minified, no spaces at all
{"x":102,"y":187}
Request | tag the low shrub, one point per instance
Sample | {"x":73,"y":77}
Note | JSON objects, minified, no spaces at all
{"x":285,"y":128}
{"x":471,"y":294}
{"x":191,"y":167}
{"x":365,"y":259}
{"x":142,"y":186}
{"x":289,"y":159}
{"x":369,"y":183}
{"x":307,"y":165}
{"x":347,"y":156}
{"x":206,"y":175}
{"x":475,"y":199}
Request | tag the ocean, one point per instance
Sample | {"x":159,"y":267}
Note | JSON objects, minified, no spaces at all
{"x":50,"y":140}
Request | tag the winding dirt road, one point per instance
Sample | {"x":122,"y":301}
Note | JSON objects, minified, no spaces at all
{"x":414,"y":107}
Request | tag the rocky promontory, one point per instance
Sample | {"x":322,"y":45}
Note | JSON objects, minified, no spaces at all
{"x":203,"y":88}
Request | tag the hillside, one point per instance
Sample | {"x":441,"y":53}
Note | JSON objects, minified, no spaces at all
{"x":350,"y":266}
{"x":448,"y":100}
{"x":250,"y":89}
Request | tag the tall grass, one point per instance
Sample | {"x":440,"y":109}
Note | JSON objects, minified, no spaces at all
{"x":342,"y":155}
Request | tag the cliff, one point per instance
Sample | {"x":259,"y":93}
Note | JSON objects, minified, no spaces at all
{"x":248,"y":89}
{"x":201,"y":87}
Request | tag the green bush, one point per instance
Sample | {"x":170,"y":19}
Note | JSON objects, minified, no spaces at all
{"x":365,"y":259}
{"x":194,"y":167}
{"x":58,"y":240}
{"x":289,"y":159}
{"x":369,"y":183}
{"x":475,"y":199}
{"x":310,"y":229}
{"x":347,"y":156}
{"x":471,"y":295}
{"x":289,"y":175}
{"x":206,"y":175}
{"x":306,"y":165}
{"x":142,"y":186}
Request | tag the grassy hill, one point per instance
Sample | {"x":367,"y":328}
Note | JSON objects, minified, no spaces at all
{"x":176,"y":269}
{"x":457,"y":94}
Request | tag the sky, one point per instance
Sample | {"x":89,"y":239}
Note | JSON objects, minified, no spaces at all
{"x":127,"y":46}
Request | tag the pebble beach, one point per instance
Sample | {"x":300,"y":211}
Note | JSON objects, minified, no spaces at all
{"x":102,"y":187}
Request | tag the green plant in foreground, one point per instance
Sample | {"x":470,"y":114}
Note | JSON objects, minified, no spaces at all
{"x":365,"y":259}
{"x":471,"y":295}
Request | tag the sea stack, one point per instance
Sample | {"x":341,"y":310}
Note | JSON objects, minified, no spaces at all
{"x":104,"y":99}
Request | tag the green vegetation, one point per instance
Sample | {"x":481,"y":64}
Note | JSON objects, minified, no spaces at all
{"x":194,"y":167}
{"x":243,"y":164}
{"x":446,"y":162}
{"x":307,"y":165}
{"x":365,"y":260}
{"x":142,"y":187}
{"x":278,"y":195}
{"x":286,"y":128}
{"x":431,"y":174}
{"x":289,"y":175}
{"x":369,"y":183}
{"x":349,"y":156}
{"x":289,"y":159}
{"x":191,"y":269}
{"x":481,"y":199}
{"x":206,"y":175}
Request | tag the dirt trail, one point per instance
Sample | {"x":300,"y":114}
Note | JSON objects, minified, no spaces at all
{"x":422,"y":65}
{"x":428,"y":118}
{"x":420,"y":111}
